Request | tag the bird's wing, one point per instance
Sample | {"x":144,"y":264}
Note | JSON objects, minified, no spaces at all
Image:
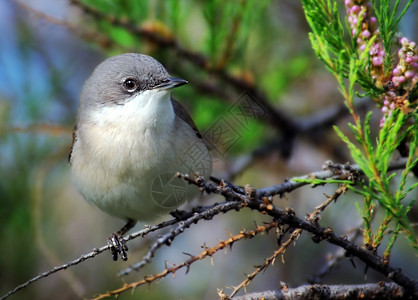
{"x":182,"y":113}
{"x":72,"y":144}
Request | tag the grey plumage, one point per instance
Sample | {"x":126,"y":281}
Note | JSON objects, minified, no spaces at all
{"x":126,"y":140}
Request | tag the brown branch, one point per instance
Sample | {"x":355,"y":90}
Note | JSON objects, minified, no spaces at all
{"x":381,"y":290}
{"x":268,"y":261}
{"x":84,"y":257}
{"x":238,"y":197}
{"x":207,"y":252}
{"x":167,"y":239}
{"x":312,"y":217}
{"x":334,"y":259}
{"x":320,"y":233}
{"x":259,"y":200}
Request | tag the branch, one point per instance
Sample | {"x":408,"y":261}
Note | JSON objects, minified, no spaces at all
{"x":84,"y":257}
{"x":334,"y":260}
{"x":260,"y":200}
{"x":238,"y":197}
{"x":205,"y":214}
{"x":207,"y":252}
{"x":268,"y":261}
{"x":381,"y":290}
{"x":332,"y":171}
{"x":314,"y":216}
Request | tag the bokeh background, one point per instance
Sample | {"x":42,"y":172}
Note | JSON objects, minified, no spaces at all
{"x":49,"y":48}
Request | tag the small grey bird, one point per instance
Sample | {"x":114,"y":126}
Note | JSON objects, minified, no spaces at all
{"x":130,"y":139}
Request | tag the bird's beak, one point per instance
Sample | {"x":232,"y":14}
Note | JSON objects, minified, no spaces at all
{"x":171,"y":83}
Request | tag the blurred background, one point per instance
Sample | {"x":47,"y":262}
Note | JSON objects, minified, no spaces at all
{"x":49,"y":48}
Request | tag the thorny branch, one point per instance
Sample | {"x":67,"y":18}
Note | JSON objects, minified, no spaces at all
{"x":334,"y":259}
{"x":268,"y":261}
{"x":87,"y":256}
{"x":313,"y":217}
{"x":381,"y":290}
{"x":207,"y":252}
{"x":167,"y":239}
{"x":260,"y":200}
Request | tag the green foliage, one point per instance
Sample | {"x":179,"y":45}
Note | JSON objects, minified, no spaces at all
{"x":350,"y":66}
{"x":388,"y":20}
{"x":229,"y":27}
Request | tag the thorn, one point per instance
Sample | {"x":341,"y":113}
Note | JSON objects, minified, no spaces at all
{"x":188,"y":254}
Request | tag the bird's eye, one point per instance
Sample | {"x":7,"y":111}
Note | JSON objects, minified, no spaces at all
{"x":130,"y":84}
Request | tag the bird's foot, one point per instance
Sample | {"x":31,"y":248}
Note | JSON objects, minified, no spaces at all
{"x":118,"y":246}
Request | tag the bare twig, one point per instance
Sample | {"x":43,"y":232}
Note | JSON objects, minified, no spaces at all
{"x":312,"y":217}
{"x":257,"y":200}
{"x":268,"y":261}
{"x":207,"y":252}
{"x":168,"y":238}
{"x":334,"y":259}
{"x":381,"y":290}
{"x":84,"y":257}
{"x":333,"y":171}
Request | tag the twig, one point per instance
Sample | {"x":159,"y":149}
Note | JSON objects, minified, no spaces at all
{"x":168,"y":238}
{"x":84,"y":257}
{"x":320,"y":233}
{"x":333,"y":171}
{"x":334,"y":259}
{"x":268,"y":261}
{"x":257,"y":200}
{"x":207,"y":252}
{"x":381,"y":290}
{"x":312,"y":217}
{"x":237,"y":194}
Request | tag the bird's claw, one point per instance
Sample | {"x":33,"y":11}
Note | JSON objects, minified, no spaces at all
{"x":118,"y":247}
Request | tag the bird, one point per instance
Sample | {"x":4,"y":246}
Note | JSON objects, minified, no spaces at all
{"x":130,"y":139}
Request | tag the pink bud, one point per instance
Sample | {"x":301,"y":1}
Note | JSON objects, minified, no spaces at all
{"x":401,"y":79}
{"x":409,"y":74}
{"x":404,"y":40}
{"x":396,"y":71}
{"x":377,"y":61}
{"x":412,"y":45}
{"x":366,"y":34}
{"x":354,"y":32}
{"x":385,"y":109}
{"x":373,"y":49}
{"x":356,"y":9}
{"x":386,"y":103}
{"x":362,"y":47}
{"x":392,"y":106}
{"x":348,"y":3}
{"x":409,"y":60}
{"x":382,"y":122}
{"x":373,"y":20}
